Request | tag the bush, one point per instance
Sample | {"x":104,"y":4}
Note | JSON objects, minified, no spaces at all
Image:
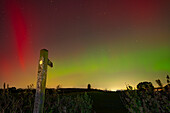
{"x":143,"y":86}
{"x":79,"y":103}
{"x":146,"y":101}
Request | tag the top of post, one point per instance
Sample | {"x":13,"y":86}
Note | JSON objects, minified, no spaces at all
{"x":44,"y":50}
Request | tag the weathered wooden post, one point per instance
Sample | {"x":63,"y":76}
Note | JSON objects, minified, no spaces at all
{"x":41,"y":81}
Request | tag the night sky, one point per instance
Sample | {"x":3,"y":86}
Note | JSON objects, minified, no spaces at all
{"x":106,"y":43}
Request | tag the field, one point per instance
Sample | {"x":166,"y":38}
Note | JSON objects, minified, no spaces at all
{"x":107,"y":102}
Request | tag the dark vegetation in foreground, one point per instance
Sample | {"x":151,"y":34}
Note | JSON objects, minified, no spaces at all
{"x":144,"y":99}
{"x":147,"y":99}
{"x":60,"y":100}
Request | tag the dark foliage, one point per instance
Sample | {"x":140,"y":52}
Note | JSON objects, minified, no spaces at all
{"x":143,"y":86}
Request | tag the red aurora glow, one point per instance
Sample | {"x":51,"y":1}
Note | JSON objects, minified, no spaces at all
{"x":19,"y":29}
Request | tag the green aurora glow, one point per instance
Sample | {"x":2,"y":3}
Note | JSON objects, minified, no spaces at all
{"x":102,"y":42}
{"x":111,"y":64}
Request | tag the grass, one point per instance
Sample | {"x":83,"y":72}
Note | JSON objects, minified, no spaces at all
{"x":22,"y":101}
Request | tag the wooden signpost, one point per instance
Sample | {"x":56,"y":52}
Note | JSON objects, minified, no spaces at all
{"x":41,"y":81}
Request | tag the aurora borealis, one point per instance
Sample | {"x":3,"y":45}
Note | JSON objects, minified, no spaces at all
{"x":106,"y":43}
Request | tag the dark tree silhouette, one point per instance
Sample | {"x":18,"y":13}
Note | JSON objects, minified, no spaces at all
{"x":145,"y":86}
{"x":7,"y":86}
{"x":88,"y":86}
{"x":4,"y":85}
